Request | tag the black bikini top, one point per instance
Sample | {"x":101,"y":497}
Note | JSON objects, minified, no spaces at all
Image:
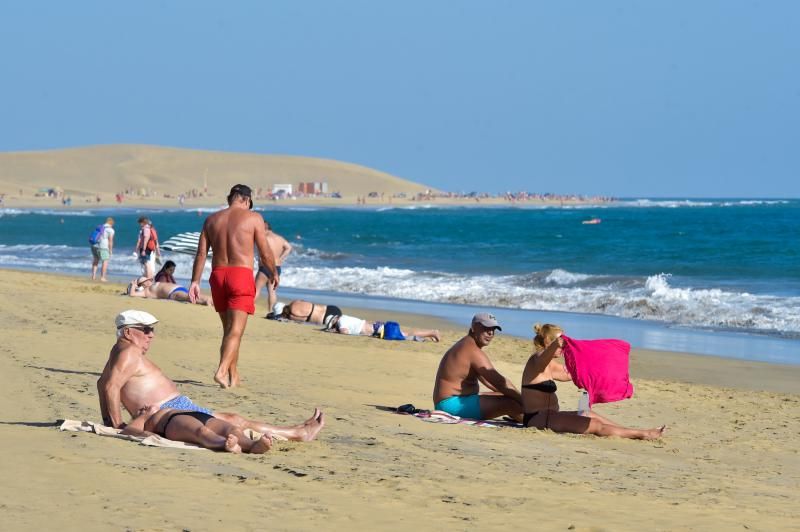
{"x":544,"y":386}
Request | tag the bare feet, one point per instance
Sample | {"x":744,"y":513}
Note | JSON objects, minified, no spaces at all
{"x":654,"y":434}
{"x":436,"y":336}
{"x":103,"y":280}
{"x":234,"y":375}
{"x":232,"y":444}
{"x":261,"y":446}
{"x":312,"y":426}
{"x":222,"y":380}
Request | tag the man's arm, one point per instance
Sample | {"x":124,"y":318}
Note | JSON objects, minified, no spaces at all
{"x":286,"y":249}
{"x":110,"y":244}
{"x":493,"y":379}
{"x":199,"y":263}
{"x":265,"y":255}
{"x":110,"y":384}
{"x":136,"y":425}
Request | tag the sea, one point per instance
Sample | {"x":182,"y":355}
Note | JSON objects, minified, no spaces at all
{"x":705,"y":276}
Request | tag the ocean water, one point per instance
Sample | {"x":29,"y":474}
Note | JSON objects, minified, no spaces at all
{"x":702,"y":265}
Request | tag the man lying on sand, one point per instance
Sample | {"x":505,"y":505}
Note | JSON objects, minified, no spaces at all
{"x":195,"y":427}
{"x":132,"y":380}
{"x":389,"y":330}
{"x":144,"y":287}
{"x":463,"y":366}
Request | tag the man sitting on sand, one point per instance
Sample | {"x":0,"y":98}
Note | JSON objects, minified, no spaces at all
{"x":132,"y":380}
{"x":144,"y":287}
{"x":464,"y":366}
{"x":389,"y":330}
{"x":195,"y":427}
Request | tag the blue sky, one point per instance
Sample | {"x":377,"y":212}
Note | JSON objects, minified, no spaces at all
{"x":678,"y":98}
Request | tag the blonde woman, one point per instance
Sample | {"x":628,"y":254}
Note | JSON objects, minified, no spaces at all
{"x":540,"y":402}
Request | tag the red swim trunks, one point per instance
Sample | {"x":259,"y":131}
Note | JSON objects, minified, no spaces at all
{"x":233,"y":288}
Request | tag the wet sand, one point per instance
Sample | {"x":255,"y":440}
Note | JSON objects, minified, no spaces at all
{"x":729,"y":461}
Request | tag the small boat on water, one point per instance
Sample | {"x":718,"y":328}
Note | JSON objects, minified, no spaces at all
{"x":592,"y":221}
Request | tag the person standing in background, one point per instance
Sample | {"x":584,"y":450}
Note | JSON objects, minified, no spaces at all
{"x":280,"y":249}
{"x":102,"y":248}
{"x":147,"y":248}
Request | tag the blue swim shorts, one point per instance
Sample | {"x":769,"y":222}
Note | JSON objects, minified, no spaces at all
{"x":468,"y":406}
{"x":184,"y":403}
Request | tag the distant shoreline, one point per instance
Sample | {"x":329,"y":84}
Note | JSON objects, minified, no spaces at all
{"x":205,"y":203}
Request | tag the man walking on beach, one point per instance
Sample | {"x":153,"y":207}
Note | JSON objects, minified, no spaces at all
{"x":280,"y":250}
{"x":132,"y":380}
{"x":464,"y":366}
{"x":231,"y":233}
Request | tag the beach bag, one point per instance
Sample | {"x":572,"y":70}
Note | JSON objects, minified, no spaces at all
{"x":97,"y":234}
{"x":391,"y":331}
{"x":151,"y":244}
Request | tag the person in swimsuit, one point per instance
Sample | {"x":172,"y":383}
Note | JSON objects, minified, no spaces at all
{"x":130,"y":379}
{"x":280,"y":249}
{"x":198,"y":428}
{"x":306,"y":311}
{"x":464,"y":367}
{"x":540,"y":401}
{"x":344,"y":324}
{"x":166,"y":273}
{"x":144,"y":287}
{"x":232,"y":233}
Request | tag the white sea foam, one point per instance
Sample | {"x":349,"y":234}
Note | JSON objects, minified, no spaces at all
{"x":670,"y":204}
{"x":45,"y":212}
{"x":674,"y":204}
{"x":651,"y":299}
{"x":563,"y":277}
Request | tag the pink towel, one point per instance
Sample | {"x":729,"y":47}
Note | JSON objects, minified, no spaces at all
{"x":600,"y":367}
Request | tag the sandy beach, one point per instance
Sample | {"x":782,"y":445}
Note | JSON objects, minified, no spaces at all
{"x":730,"y":459}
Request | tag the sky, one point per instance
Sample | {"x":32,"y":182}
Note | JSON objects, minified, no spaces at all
{"x":615,"y":98}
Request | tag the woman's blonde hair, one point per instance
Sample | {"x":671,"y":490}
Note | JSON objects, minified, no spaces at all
{"x":545,"y":334}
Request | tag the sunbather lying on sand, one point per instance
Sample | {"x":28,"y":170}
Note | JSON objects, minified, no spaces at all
{"x":195,"y":427}
{"x":304,"y":311}
{"x":389,"y":330}
{"x":145,"y":287}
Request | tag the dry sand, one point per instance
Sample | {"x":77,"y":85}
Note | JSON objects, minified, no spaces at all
{"x":729,"y":461}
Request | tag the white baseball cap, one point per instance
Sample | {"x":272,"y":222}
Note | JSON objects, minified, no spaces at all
{"x":134,"y":317}
{"x":277,"y":308}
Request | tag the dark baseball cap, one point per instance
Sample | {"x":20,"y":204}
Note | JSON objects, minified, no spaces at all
{"x":243,"y":191}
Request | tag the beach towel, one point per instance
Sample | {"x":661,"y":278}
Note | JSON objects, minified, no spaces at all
{"x":438,"y":416}
{"x":151,"y":441}
{"x":600,"y":367}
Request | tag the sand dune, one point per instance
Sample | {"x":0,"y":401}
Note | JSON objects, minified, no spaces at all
{"x":105,"y":170}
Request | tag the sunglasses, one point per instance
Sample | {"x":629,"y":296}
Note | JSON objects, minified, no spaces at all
{"x":146,"y":329}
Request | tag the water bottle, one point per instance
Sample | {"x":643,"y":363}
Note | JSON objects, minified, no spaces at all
{"x":583,"y":402}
